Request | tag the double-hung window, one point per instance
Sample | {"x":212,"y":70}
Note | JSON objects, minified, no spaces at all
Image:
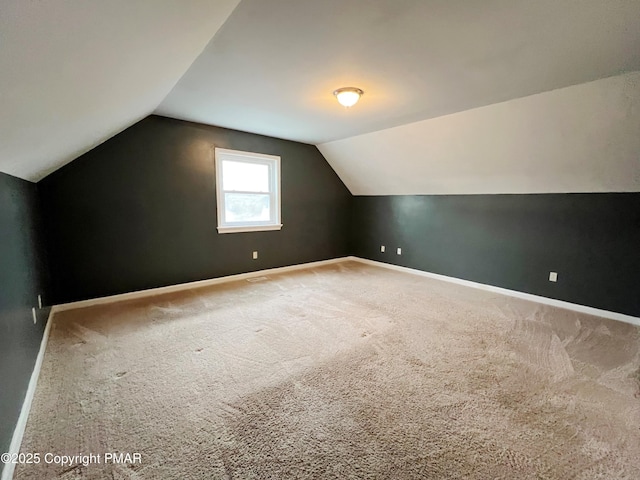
{"x":248,"y":191}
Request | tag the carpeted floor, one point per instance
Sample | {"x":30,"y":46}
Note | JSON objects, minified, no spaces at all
{"x":343,"y":371}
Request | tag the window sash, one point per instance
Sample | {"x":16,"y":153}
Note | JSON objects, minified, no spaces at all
{"x":271,"y":210}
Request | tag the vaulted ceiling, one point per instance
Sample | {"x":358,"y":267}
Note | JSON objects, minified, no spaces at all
{"x":273,"y":66}
{"x":75,"y":72}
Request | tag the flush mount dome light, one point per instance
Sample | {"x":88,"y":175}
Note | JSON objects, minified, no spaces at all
{"x":348,"y":96}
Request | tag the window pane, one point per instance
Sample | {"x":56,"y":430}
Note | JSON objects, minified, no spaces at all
{"x":245,"y":177}
{"x":242,"y":207}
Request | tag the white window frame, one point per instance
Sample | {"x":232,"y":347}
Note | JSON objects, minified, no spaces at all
{"x":273,"y":162}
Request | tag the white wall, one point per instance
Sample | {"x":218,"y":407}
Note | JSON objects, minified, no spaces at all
{"x":584,"y":138}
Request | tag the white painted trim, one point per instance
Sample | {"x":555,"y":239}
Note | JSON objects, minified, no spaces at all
{"x":18,"y":433}
{"x":273,"y":163}
{"x":511,"y":293}
{"x":272,"y":271}
{"x":186,"y":286}
{"x":254,"y":228}
{"x":242,"y":155}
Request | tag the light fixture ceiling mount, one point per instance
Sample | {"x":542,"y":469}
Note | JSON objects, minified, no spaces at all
{"x":348,"y":96}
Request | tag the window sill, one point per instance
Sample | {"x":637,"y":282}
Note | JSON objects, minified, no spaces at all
{"x":250,"y":228}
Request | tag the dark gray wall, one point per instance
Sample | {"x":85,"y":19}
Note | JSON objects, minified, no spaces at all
{"x":513,"y":241}
{"x":139,"y":211}
{"x":22,"y":278}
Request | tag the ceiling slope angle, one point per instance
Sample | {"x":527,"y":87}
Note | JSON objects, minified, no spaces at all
{"x":583,"y":138}
{"x":74,"y":73}
{"x":273,"y":67}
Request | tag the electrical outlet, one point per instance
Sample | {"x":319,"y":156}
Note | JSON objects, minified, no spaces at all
{"x":399,"y":251}
{"x":382,"y":248}
{"x":39,"y":301}
{"x":33,"y":312}
{"x":553,"y":276}
{"x":255,"y":255}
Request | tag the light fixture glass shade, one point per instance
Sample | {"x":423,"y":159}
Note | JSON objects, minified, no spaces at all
{"x":348,"y":96}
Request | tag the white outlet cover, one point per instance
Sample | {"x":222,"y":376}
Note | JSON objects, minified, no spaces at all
{"x":399,"y":251}
{"x":382,"y":248}
{"x":255,"y":255}
{"x":553,"y":276}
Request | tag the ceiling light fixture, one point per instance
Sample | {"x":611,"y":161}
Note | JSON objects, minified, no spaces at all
{"x":348,"y":96}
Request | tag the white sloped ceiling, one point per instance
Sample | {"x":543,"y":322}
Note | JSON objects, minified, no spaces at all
{"x":75,"y":72}
{"x":584,"y":138}
{"x":273,"y":67}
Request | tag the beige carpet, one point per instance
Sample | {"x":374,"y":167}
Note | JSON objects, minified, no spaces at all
{"x":344,"y":371}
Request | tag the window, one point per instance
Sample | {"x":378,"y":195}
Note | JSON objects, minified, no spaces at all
{"x":248,"y":191}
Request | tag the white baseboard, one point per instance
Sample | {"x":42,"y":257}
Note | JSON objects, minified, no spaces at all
{"x":512,"y":293}
{"x":272,"y":271}
{"x":186,"y":286}
{"x":18,"y":433}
